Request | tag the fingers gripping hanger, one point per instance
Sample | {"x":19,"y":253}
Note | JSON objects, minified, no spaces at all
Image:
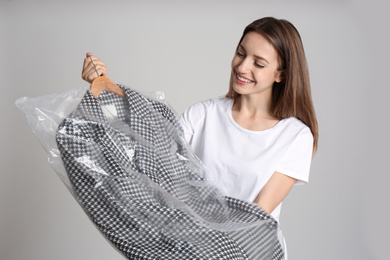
{"x":104,"y":83}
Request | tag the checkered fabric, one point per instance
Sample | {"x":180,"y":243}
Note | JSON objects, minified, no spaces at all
{"x":135,"y":178}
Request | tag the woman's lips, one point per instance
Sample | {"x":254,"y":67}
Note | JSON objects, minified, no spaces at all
{"x":242,"y":80}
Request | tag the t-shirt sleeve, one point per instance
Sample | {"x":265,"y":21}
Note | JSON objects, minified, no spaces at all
{"x":185,"y":122}
{"x":296,"y":160}
{"x":192,"y":118}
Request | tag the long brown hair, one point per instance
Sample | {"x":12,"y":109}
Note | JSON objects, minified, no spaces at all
{"x":291,"y":96}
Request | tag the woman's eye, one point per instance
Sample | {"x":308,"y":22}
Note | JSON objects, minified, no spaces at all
{"x":258,"y":65}
{"x":239,"y":54}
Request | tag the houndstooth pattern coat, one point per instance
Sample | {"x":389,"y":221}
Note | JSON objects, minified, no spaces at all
{"x":134,"y":177}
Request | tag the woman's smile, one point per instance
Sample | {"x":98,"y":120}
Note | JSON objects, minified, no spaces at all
{"x":242,"y":80}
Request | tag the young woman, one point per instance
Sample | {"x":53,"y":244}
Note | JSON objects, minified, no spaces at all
{"x":258,"y":140}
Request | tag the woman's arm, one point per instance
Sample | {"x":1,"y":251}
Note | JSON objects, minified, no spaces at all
{"x":274,"y":191}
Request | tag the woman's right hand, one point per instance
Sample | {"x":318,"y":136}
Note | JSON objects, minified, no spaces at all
{"x":89,"y":72}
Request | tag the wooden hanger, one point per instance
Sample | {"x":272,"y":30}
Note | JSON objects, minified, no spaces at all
{"x":104,"y":83}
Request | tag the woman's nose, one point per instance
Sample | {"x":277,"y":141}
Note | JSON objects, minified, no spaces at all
{"x":243,"y":66}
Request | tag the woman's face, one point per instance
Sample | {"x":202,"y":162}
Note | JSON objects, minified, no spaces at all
{"x":254,"y":66}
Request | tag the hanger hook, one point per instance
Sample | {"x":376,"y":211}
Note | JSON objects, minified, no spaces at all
{"x":94,"y":66}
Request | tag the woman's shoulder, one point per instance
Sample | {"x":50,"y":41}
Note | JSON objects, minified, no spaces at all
{"x":294,"y":122}
{"x":209,"y":105}
{"x":295,"y":127}
{"x":212,"y":102}
{"x":198,"y":112}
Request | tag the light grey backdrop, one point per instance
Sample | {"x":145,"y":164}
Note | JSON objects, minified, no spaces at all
{"x":184,"y":48}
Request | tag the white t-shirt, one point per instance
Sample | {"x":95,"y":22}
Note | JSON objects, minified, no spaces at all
{"x":240,"y":161}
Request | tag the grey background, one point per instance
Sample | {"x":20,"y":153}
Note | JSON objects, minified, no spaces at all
{"x":184,"y":48}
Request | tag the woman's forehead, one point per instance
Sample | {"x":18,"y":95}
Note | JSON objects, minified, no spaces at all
{"x":256,"y":44}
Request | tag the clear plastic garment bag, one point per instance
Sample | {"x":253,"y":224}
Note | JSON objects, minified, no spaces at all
{"x":123,"y":157}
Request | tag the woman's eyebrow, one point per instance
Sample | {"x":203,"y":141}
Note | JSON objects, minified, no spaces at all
{"x":258,"y":57}
{"x":261,"y":58}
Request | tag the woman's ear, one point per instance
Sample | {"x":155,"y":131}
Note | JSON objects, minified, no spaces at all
{"x":280,"y":76}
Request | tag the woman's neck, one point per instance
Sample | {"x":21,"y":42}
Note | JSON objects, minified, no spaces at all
{"x":256,"y":106}
{"x":253,"y":113}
